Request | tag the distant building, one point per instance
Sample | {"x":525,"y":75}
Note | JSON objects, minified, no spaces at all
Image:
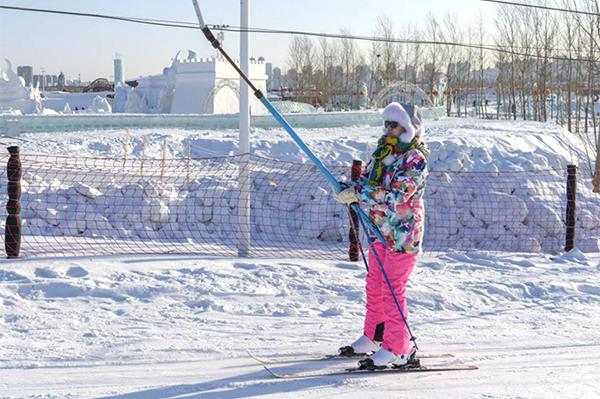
{"x":61,"y":81}
{"x":39,"y":81}
{"x":459,"y":71}
{"x":490,"y":75}
{"x":426,"y":74}
{"x":408,"y":74}
{"x":52,"y":80}
{"x":276,"y":80}
{"x":291,"y":78}
{"x":118,"y":69}
{"x":26,"y":72}
{"x":269,"y":72}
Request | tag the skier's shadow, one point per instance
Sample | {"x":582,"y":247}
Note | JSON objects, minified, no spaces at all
{"x":239,"y":386}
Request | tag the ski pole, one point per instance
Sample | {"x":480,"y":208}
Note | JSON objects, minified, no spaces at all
{"x":263,"y":99}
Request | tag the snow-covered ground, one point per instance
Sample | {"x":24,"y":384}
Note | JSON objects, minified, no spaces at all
{"x":179,"y":326}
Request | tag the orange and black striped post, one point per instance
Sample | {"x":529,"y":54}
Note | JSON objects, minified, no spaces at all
{"x":571,"y":206}
{"x":353,"y":235}
{"x":12,"y":231}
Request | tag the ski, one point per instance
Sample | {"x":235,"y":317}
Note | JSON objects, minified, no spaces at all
{"x":320,"y":358}
{"x":357,"y":371}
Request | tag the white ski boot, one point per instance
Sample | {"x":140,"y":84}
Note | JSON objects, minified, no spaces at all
{"x":384,"y":358}
{"x":362,"y":346}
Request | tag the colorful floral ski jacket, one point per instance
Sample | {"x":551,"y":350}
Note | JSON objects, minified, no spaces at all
{"x":396,"y":205}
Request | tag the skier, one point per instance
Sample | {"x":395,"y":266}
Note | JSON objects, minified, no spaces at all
{"x":392,"y":188}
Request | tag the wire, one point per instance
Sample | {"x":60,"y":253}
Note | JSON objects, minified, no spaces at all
{"x":147,"y":21}
{"x":227,"y":28}
{"x":510,"y":3}
{"x":487,"y":47}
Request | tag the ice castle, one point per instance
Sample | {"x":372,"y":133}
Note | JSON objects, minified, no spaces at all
{"x":191,"y":85}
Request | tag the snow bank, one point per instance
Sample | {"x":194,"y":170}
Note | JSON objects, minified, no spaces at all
{"x":494,"y":185}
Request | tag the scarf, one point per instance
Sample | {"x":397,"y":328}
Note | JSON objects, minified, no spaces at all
{"x":391,"y":145}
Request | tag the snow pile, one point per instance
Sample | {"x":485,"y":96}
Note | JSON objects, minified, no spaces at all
{"x":457,"y":144}
{"x":494,"y":185}
{"x":15,"y":97}
{"x":100,"y":104}
{"x":65,"y":103}
{"x":204,"y":210}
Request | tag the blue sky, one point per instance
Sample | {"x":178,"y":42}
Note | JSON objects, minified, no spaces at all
{"x":86,"y":46}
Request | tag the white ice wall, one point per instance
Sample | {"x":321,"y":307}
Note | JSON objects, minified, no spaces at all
{"x":193,"y":83}
{"x":195,"y":80}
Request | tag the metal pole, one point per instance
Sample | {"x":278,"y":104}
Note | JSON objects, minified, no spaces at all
{"x":244,"y":178}
{"x":244,"y":93}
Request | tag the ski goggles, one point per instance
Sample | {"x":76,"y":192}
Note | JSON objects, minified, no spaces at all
{"x":392,"y":124}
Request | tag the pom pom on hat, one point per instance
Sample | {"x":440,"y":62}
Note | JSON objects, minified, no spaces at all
{"x":396,"y":113}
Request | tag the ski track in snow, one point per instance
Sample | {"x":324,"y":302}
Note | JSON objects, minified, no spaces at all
{"x":176,"y":326}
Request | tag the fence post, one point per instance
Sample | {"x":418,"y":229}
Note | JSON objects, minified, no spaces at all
{"x":163,"y":164}
{"x":571,"y":206}
{"x":143,"y":155}
{"x":12,"y":230}
{"x":244,"y":207}
{"x":353,"y":234}
{"x":125,"y":148}
{"x":189,"y":158}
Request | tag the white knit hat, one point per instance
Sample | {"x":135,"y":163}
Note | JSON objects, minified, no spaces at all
{"x":396,"y":113}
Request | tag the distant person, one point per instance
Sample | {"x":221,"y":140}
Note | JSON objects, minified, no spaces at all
{"x":392,"y":189}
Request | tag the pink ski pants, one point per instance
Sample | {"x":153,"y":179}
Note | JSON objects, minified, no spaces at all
{"x":381,"y":306}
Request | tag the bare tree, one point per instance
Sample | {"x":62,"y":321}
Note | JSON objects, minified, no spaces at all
{"x":417,"y":55}
{"x":481,"y":87}
{"x":506,"y":24}
{"x":452,"y":33}
{"x":327,"y":58}
{"x":301,"y":59}
{"x":590,"y":27}
{"x":389,"y":52}
{"x":431,"y":68}
{"x":469,"y":57}
{"x":349,"y":56}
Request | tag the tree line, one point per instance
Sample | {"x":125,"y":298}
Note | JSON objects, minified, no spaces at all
{"x":528,"y":63}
